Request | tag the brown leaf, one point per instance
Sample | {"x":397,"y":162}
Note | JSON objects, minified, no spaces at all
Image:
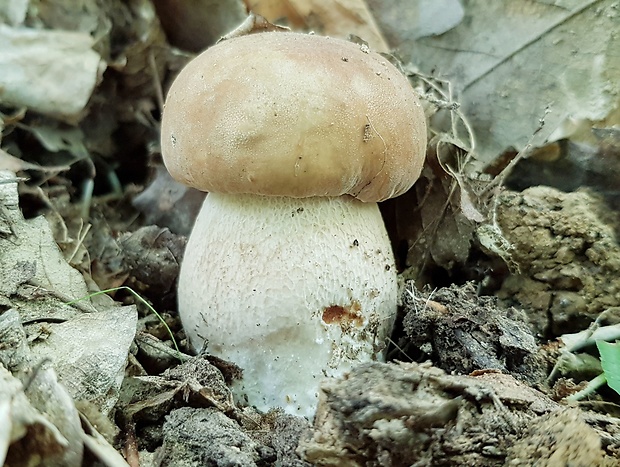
{"x":338,"y":18}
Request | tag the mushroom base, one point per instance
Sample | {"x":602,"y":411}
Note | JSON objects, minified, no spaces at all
{"x":290,"y":290}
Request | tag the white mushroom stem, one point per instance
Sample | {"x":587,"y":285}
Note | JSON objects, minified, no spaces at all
{"x":291,"y":290}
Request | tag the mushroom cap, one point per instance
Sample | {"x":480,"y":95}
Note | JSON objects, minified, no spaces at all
{"x":296,"y":115}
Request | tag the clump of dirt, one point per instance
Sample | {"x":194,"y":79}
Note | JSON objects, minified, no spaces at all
{"x":566,"y":249}
{"x":197,"y":437}
{"x":187,"y":417}
{"x":559,"y":438}
{"x":462,"y":332}
{"x":410,"y":414}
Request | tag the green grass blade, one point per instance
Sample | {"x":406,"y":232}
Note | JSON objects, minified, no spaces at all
{"x":145,"y":303}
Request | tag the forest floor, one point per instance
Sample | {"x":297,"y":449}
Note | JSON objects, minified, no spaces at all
{"x":510,"y":270}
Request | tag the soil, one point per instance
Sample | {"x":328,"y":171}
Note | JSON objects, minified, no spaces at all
{"x":566,"y":254}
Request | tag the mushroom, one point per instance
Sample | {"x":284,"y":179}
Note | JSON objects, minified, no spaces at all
{"x":288,"y":271}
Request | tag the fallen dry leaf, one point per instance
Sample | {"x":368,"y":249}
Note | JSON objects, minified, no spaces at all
{"x":511,"y":60}
{"x":338,"y":18}
{"x":52,"y":72}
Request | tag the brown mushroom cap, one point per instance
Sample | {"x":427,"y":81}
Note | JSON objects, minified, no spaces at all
{"x":297,"y":115}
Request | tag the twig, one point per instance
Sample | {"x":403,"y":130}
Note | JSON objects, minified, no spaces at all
{"x":80,"y":240}
{"x":522,"y":154}
{"x":159,"y":94}
{"x":130,"y":446}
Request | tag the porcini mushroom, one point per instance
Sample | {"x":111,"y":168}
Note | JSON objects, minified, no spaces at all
{"x":288,"y":271}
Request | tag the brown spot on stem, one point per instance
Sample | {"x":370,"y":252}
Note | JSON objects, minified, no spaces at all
{"x":344,"y":315}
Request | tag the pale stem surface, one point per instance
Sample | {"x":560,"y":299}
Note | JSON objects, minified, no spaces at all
{"x":291,"y":290}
